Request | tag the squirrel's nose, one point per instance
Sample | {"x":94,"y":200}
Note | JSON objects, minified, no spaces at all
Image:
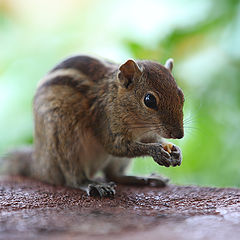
{"x":177,"y":134}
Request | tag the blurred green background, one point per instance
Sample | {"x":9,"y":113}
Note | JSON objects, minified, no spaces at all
{"x":203,"y":37}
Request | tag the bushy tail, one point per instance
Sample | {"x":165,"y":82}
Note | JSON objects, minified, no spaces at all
{"x":17,"y":162}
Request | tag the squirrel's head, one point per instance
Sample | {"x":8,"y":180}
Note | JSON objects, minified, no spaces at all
{"x":151,"y":99}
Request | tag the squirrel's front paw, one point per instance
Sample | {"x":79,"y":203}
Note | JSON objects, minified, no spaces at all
{"x":168,"y":155}
{"x":161,"y":156}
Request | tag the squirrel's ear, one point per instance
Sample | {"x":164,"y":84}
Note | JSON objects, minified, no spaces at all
{"x":169,"y":64}
{"x":128,"y":71}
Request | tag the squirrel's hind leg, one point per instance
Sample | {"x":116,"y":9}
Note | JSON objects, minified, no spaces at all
{"x":115,"y":170}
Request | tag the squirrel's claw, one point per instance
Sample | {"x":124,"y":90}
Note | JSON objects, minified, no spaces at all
{"x":101,"y":189}
{"x":176,"y":156}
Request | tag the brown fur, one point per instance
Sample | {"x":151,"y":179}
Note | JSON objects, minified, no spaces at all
{"x":95,"y":119}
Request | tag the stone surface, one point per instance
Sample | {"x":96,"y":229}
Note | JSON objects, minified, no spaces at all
{"x":33,"y":210}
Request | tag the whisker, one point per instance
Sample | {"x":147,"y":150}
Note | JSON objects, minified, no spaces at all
{"x":192,"y":117}
{"x":189,"y":120}
{"x":189,"y":127}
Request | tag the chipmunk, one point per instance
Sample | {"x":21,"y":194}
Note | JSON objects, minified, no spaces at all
{"x":92,"y":115}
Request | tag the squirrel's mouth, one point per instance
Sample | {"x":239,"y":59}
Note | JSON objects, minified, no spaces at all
{"x":156,"y":135}
{"x":174,"y":134}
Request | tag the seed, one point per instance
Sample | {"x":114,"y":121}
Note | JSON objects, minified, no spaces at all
{"x":168,"y":147}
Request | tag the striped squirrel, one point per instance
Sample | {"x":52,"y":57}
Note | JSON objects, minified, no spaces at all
{"x":93,"y":116}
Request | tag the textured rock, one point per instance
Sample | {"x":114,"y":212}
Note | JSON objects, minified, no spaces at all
{"x":33,"y":210}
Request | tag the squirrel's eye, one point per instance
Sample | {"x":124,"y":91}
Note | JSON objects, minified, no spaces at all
{"x":150,"y":101}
